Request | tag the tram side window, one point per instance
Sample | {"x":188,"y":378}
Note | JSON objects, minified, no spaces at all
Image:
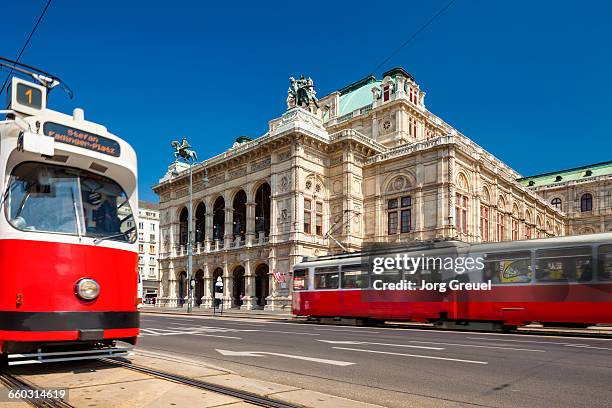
{"x":428,"y":275}
{"x":326,"y":277}
{"x":605,"y":262}
{"x":300,"y":279}
{"x":509,"y":267}
{"x":389,"y":276}
{"x":559,"y":264}
{"x":353,"y":277}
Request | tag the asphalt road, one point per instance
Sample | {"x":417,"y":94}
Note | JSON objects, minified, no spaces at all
{"x":397,"y":367}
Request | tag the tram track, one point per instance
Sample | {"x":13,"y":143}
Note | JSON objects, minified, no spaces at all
{"x":249,"y":397}
{"x":16,"y":383}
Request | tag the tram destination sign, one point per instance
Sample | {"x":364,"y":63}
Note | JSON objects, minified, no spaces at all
{"x":81,"y":138}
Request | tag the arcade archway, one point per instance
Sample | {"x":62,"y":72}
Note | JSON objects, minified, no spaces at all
{"x":182,"y":288}
{"x":198,"y":291}
{"x":238,"y":288}
{"x":262,"y":284}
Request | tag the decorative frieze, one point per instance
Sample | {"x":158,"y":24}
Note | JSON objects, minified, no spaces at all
{"x":261,"y":164}
{"x":238,"y":172}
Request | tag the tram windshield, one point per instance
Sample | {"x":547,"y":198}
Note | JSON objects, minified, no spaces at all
{"x":49,"y":198}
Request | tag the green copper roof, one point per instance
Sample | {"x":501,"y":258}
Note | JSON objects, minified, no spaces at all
{"x":357,"y":98}
{"x":578,"y":173}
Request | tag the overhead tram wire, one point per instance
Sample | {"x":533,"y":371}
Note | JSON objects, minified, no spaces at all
{"x":416,"y":33}
{"x":26,"y":44}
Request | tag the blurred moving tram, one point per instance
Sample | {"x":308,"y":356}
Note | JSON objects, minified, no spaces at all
{"x":68,"y":252}
{"x":562,"y":281}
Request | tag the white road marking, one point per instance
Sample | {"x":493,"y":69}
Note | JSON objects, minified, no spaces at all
{"x":200,"y":332}
{"x":589,"y":347}
{"x":520,"y":341}
{"x":351,"y":331}
{"x":224,"y":329}
{"x":214,"y":335}
{"x":262,"y":353}
{"x":457,"y":344}
{"x":381,"y":344}
{"x":148,"y":331}
{"x":413,"y":355}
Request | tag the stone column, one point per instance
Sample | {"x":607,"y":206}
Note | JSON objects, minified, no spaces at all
{"x":173,"y":291}
{"x":250,"y":222}
{"x":452,"y":222}
{"x":476,"y":191}
{"x":208,"y":231}
{"x":228,"y":287}
{"x":276,"y":300}
{"x":207,"y":299}
{"x":419,"y":217}
{"x":229,"y":227}
{"x":440,"y":213}
{"x":249,"y":301}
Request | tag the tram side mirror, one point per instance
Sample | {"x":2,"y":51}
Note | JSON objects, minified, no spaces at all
{"x":35,"y":143}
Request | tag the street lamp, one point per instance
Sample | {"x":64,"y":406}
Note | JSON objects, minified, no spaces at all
{"x":184,"y":151}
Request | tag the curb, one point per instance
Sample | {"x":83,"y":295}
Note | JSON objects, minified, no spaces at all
{"x":224,"y":315}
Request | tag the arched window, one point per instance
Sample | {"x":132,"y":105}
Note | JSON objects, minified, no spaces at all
{"x":239,"y":214}
{"x":461,"y":211}
{"x":484,"y":214}
{"x":539,"y":227}
{"x":501,"y":219}
{"x":528,"y":224}
{"x":484,"y":222}
{"x":556,"y":202}
{"x":586,"y":202}
{"x":501,"y":226}
{"x":183,"y":225}
{"x":219,"y":219}
{"x":262,"y":209}
{"x":200,"y":222}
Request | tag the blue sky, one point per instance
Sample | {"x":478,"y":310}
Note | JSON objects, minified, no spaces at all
{"x":527,"y":80}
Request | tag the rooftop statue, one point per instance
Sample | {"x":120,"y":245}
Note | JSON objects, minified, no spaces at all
{"x":183,"y":150}
{"x":301,"y":93}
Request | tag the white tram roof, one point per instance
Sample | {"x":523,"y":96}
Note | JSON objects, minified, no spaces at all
{"x":126,"y":157}
{"x":78,"y":142}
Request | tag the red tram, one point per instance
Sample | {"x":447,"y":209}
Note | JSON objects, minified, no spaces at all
{"x":68,"y":252}
{"x":564,"y":281}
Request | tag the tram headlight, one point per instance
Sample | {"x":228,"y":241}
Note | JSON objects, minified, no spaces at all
{"x":87,"y":289}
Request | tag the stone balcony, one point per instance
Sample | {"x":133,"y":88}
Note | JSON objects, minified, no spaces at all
{"x":209,"y":247}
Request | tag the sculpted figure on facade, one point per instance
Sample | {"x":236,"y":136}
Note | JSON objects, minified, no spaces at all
{"x":301,"y":93}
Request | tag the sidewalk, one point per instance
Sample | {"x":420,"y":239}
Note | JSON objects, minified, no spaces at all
{"x":227,"y":378}
{"x":251,"y":314}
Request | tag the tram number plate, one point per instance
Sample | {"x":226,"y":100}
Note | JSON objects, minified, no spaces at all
{"x":29,"y":96}
{"x":91,"y":334}
{"x":80,"y":138}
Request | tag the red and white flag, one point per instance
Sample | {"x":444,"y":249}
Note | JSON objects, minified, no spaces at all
{"x":278,"y":276}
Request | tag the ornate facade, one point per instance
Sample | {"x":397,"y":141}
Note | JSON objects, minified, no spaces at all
{"x":583,"y":194}
{"x":367,"y":163}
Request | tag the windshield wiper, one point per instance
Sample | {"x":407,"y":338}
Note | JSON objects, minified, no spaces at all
{"x":98,"y":240}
